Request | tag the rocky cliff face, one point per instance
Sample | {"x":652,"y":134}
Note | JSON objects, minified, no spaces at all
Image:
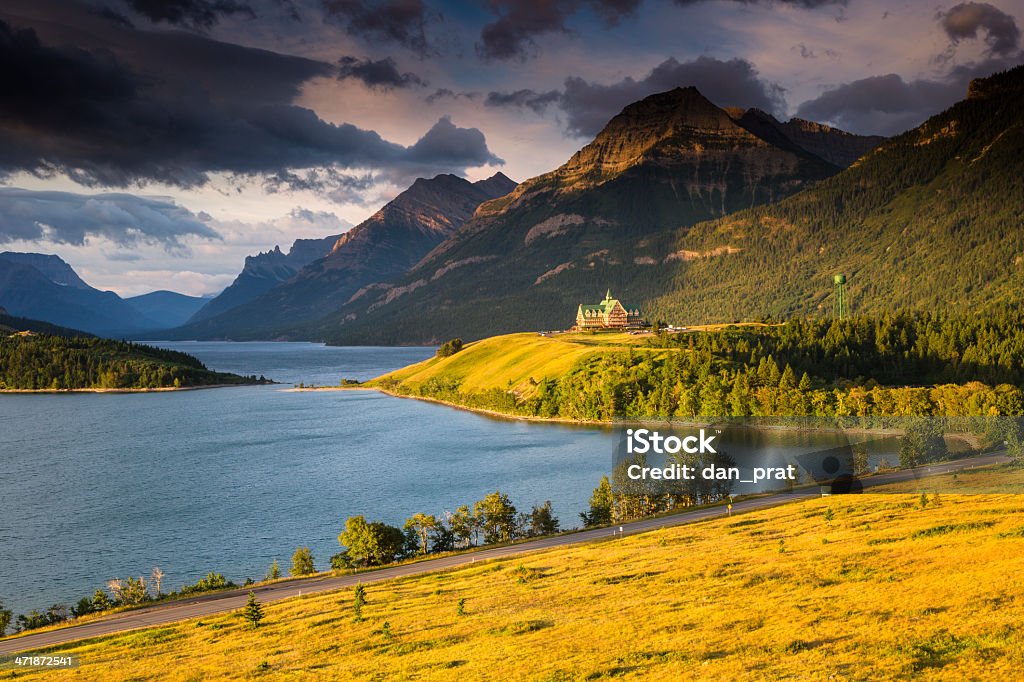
{"x":426,"y":213}
{"x":383,"y":246}
{"x":263,"y":272}
{"x":678,"y":127}
{"x":693,"y":144}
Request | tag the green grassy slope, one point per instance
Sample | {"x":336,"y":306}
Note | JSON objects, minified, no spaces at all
{"x":513,"y":362}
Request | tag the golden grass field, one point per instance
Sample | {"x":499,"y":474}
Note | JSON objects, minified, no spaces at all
{"x":886,"y":589}
{"x":510,"y":361}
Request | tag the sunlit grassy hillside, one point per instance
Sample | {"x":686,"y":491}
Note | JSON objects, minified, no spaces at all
{"x":882,"y":587}
{"x":511,"y":361}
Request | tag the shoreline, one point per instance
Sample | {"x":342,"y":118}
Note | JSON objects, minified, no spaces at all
{"x":466,"y":408}
{"x":857,"y":430}
{"x":167,"y":389}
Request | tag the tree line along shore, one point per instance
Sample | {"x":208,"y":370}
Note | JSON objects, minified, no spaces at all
{"x":900,"y":364}
{"x":33,"y":362}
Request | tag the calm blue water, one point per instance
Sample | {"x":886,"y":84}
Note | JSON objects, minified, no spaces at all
{"x":98,"y":486}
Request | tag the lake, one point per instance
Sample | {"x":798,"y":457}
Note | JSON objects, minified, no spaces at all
{"x":96,"y":486}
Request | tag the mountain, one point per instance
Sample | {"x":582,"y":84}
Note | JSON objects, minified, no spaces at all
{"x":263,"y":272}
{"x":49,"y":266}
{"x":526,"y":260}
{"x":167,"y":308}
{"x":383,"y":246}
{"x":929,"y":220}
{"x":44,"y":287}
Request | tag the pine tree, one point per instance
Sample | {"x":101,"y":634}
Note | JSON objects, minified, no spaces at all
{"x":358,"y":599}
{"x":788,"y":378}
{"x":253,"y":612}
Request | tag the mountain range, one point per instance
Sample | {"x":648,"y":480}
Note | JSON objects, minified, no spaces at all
{"x":928,"y":220}
{"x":526,"y":260}
{"x":382,"y":247}
{"x":43,"y":287}
{"x":263,"y":272}
{"x":689,"y":211}
{"x":473,"y":250}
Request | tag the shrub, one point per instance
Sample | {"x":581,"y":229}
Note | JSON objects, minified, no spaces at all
{"x":212,"y":581}
{"x":302,"y":562}
{"x":358,"y":600}
{"x":449,"y":348}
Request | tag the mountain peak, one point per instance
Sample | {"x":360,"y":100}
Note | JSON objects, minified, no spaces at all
{"x":679,"y":123}
{"x":51,"y":266}
{"x":498,"y":185}
{"x":668,"y":111}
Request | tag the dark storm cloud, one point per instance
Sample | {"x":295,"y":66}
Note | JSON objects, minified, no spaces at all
{"x":222,"y":108}
{"x":531,"y":99}
{"x":445,"y":142}
{"x":512,"y":34}
{"x":398,"y":21}
{"x":201,"y":14}
{"x":380,"y":73}
{"x":588,"y":106}
{"x":68,"y":218}
{"x":968,"y":19}
{"x":319,"y":180}
{"x":888,"y":105}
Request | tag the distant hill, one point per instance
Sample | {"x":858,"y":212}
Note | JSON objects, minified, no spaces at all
{"x":263,"y":272}
{"x":526,"y":260}
{"x":929,"y":220}
{"x":10,"y":324}
{"x":383,"y":246}
{"x":167,"y":308}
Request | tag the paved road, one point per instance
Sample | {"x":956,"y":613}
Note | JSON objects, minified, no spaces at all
{"x":235,"y":599}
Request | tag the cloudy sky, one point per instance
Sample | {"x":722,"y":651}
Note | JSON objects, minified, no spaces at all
{"x":154,"y":143}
